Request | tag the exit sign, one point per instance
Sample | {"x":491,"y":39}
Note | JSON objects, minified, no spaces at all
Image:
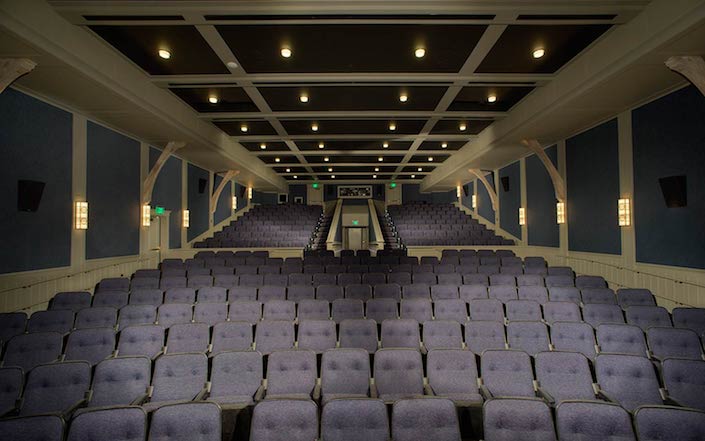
{"x":159,"y":210}
{"x":356,"y":222}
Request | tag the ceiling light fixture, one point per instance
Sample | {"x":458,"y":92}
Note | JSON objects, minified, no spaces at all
{"x":332,"y":176}
{"x":303,"y":98}
{"x":314,"y":127}
{"x":444,"y":145}
{"x":462,"y":126}
{"x":380,"y":159}
{"x":492,"y":99}
{"x":232,"y":65}
{"x":165,"y":54}
{"x":285,"y":52}
{"x":376,"y":169}
{"x":330,"y":169}
{"x":392,"y":126}
{"x":243,"y":128}
{"x":263,"y":146}
{"x":213,"y":99}
{"x":385,"y":145}
{"x":288,"y":170}
{"x":420,"y":52}
{"x":403,"y":97}
{"x":374,"y":176}
{"x":430,"y":159}
{"x":419,"y":169}
{"x":321,"y":145}
{"x":538,"y":53}
{"x":326,"y":159}
{"x":296,"y":177}
{"x":413,"y":176}
{"x":277,"y":160}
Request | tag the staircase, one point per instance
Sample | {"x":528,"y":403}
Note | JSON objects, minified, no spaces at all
{"x":320,"y":233}
{"x":391,"y":240}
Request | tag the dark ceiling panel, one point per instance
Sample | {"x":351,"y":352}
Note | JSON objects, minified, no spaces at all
{"x":475,"y":98}
{"x":230,"y":99}
{"x":322,"y":98}
{"x":438,"y":145}
{"x":452,"y":126}
{"x":353,"y":159}
{"x":353,"y":145}
{"x":408,"y":177}
{"x":271,"y":146}
{"x":564,"y":17}
{"x":415,"y":169}
{"x":298,"y":178}
{"x":283,"y":159}
{"x":353,"y":127}
{"x":230,"y":17}
{"x":190,"y":54}
{"x":351,"y":47}
{"x":366,"y":177}
{"x":513,"y":51}
{"x":370,"y":168}
{"x":291,"y":169}
{"x":133,"y":17}
{"x":424,"y":158}
{"x":233,"y":128}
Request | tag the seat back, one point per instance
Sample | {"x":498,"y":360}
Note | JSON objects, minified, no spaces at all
{"x":425,"y":419}
{"x":647,"y":316}
{"x":666,"y":423}
{"x":531,"y":337}
{"x":345,"y":372}
{"x":597,"y":314}
{"x":71,"y":300}
{"x":452,"y":371}
{"x":684,"y":380}
{"x":564,"y":375}
{"x":274,"y":335}
{"x":621,"y":339}
{"x":236,"y":374}
{"x":398,"y":372}
{"x":210,"y":313}
{"x":122,"y":423}
{"x":60,"y":321}
{"x":507,"y":373}
{"x":199,"y":421}
{"x":249,"y":311}
{"x":370,"y":421}
{"x":56,"y":387}
{"x":284,"y":420}
{"x":131,"y":315}
{"x":188,"y":337}
{"x":517,"y":419}
{"x":402,"y":333}
{"x":11,"y":384}
{"x":359,"y":334}
{"x":33,"y":428}
{"x":231,"y":336}
{"x":483,"y":335}
{"x":317,"y":335}
{"x":574,"y":337}
{"x":593,"y":421}
{"x":291,"y":373}
{"x":179,"y":377}
{"x":628,"y":379}
{"x":442,"y":334}
{"x":29,"y":350}
{"x":91,"y":345}
{"x":279,"y":310}
{"x":120,"y":381}
{"x":145,"y":340}
{"x":98,"y":317}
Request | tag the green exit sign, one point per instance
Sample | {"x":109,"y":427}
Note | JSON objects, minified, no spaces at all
{"x":314,"y":185}
{"x":159,"y":210}
{"x":393,"y":185}
{"x":355,"y":222}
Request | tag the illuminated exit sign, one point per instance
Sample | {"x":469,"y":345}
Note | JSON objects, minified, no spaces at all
{"x":159,"y":210}
{"x":356,"y":222}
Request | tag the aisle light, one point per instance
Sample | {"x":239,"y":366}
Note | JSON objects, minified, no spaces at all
{"x":146,"y":210}
{"x":81,"y":216}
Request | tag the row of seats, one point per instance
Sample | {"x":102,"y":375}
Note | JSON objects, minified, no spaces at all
{"x":238,"y":378}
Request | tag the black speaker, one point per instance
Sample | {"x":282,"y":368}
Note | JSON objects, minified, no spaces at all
{"x":466,"y":190}
{"x":29,"y":195}
{"x":674,"y":189}
{"x":505,"y":183}
{"x":330,"y":190}
{"x":243,"y":191}
{"x":202,"y":183}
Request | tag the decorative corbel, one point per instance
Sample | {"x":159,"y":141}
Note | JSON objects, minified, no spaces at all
{"x":229,"y":175}
{"x":558,"y":182}
{"x":13,"y":68}
{"x":490,"y":190}
{"x":151,"y":179}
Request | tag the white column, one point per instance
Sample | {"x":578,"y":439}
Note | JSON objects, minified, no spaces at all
{"x":496,"y":191}
{"x":211,"y":182}
{"x":79,"y":188}
{"x":626,"y":185}
{"x":523,"y":202}
{"x":144,"y":172}
{"x":184,"y":202}
{"x":232,"y":193}
{"x":563,"y":228}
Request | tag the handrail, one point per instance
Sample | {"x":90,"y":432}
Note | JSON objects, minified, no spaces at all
{"x":375,"y":222}
{"x":330,"y":240}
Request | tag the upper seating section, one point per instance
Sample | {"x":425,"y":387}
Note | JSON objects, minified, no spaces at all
{"x":419,"y":223}
{"x":284,"y":225}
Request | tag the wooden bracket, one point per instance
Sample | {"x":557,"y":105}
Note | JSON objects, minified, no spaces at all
{"x":229,"y":175}
{"x":558,"y":182}
{"x":490,"y":190}
{"x":151,"y":179}
{"x":693,"y":68}
{"x":13,"y":68}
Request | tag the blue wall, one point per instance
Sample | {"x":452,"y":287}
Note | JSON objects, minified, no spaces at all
{"x":36,"y":144}
{"x":241,"y":193}
{"x":197,"y":202}
{"x":260,"y":197}
{"x":669,"y":139}
{"x":484,"y":203}
{"x":113,"y":193}
{"x":467,"y":200}
{"x":298,"y":190}
{"x":225,"y":201}
{"x":592,"y":168}
{"x":510,"y":201}
{"x":167,"y":193}
{"x":541,"y":222}
{"x":412,"y":193}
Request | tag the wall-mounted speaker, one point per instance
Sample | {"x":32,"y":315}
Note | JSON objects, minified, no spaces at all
{"x":202,"y":183}
{"x":29,"y":195}
{"x":243,"y":191}
{"x":505,"y":183}
{"x":674,"y":189}
{"x":466,"y":190}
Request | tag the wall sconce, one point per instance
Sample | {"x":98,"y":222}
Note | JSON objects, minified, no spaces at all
{"x":186,"y":219}
{"x":560,"y":212}
{"x":522,"y":216}
{"x":80,"y":218}
{"x":146,"y":212}
{"x":474,"y":202}
{"x":458,"y":192}
{"x":234,"y":202}
{"x":624,"y":212}
{"x":249,"y":193}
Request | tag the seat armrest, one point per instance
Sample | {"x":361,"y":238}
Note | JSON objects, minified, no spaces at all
{"x":428,"y":390}
{"x":373,"y":390}
{"x":316,"y":392}
{"x":602,"y":394}
{"x":260,"y":392}
{"x":66,"y":415}
{"x":202,"y":394}
{"x":484,"y":391}
{"x":545,"y":395}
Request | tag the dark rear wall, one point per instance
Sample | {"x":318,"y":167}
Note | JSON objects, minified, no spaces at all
{"x":197,"y":202}
{"x":510,"y":200}
{"x":541,"y":224}
{"x":167,"y":193}
{"x":484,"y":203}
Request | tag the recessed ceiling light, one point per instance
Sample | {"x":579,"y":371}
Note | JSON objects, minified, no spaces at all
{"x":492,"y":98}
{"x":374,"y":176}
{"x":538,"y":53}
{"x":419,"y":169}
{"x":420,"y":52}
{"x":326,"y":159}
{"x":392,"y":126}
{"x":213,"y":99}
{"x":413,"y":176}
{"x":296,"y":177}
{"x":165,"y":54}
{"x":303,"y":98}
{"x":330,"y":169}
{"x":321,"y":145}
{"x":288,"y":170}
{"x":380,"y":159}
{"x":444,"y":145}
{"x":430,"y":159}
{"x":243,"y":128}
{"x":385,"y":144}
{"x":332,"y":176}
{"x":231,"y":65}
{"x":403,"y":97}
{"x":263,"y":146}
{"x":376,"y":169}
{"x":314,"y":127}
{"x":462,"y":126}
{"x":277,"y":160}
{"x":285,"y":52}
